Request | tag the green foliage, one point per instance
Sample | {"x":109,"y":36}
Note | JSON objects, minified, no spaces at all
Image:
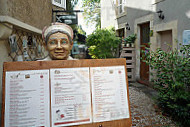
{"x":80,"y":30}
{"x":103,"y":44}
{"x":92,"y":12}
{"x":172,"y":79}
{"x":130,"y":39}
{"x":151,"y":33}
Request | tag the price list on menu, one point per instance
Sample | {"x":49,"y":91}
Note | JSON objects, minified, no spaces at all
{"x":109,"y":93}
{"x":70,"y":96}
{"x":27,"y":98}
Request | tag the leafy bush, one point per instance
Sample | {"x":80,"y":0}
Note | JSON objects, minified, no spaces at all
{"x":172,"y":79}
{"x":103,"y":44}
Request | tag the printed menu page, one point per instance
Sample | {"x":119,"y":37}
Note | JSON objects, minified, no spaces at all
{"x":109,"y":93}
{"x":27,"y":99}
{"x":70,"y":96}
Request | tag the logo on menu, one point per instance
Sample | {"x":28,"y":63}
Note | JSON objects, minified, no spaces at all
{"x":41,"y":76}
{"x":59,"y":115}
{"x":57,"y":72}
{"x":111,"y":71}
{"x":27,"y":76}
{"x":15,"y":76}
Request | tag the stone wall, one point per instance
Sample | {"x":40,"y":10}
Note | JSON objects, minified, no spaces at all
{"x":36,"y":13}
{"x":3,"y":7}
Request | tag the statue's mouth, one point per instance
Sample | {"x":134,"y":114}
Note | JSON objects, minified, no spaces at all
{"x":59,"y":53}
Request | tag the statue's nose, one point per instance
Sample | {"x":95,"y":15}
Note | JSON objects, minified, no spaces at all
{"x":59,"y":45}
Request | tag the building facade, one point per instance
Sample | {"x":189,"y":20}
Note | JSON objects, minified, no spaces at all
{"x":159,"y":22}
{"x":108,"y":16}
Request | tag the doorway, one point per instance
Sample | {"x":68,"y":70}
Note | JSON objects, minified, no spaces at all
{"x":144,"y":42}
{"x":121,"y":32}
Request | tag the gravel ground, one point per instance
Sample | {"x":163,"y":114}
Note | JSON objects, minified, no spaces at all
{"x":144,"y":110}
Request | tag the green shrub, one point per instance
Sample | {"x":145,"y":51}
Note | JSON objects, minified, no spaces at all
{"x":172,"y":79}
{"x":103,"y":44}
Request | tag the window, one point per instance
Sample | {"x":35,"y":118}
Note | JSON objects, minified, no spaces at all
{"x":59,"y":3}
{"x":157,"y":1}
{"x":121,"y":4}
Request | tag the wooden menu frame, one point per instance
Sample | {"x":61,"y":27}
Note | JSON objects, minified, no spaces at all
{"x":40,"y":65}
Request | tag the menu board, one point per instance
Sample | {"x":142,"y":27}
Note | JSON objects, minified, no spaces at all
{"x":109,"y":93}
{"x":84,"y":93}
{"x":27,"y":99}
{"x":70,"y":96}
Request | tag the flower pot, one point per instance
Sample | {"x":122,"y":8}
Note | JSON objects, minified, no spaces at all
{"x":127,"y":45}
{"x":132,"y":45}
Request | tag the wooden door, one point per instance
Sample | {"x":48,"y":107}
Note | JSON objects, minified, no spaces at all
{"x":144,"y":40}
{"x":121,"y":32}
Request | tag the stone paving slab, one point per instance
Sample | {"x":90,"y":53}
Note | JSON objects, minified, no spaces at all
{"x":143,"y":108}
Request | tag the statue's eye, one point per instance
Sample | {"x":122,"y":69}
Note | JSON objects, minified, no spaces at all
{"x":52,"y":42}
{"x":64,"y":42}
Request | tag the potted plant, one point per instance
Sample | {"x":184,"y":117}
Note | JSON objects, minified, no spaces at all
{"x":124,"y":44}
{"x":130,"y":40}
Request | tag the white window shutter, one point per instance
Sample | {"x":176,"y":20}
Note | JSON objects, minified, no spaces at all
{"x":59,"y":3}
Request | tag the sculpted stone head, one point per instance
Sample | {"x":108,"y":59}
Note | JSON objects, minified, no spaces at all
{"x":59,"y":40}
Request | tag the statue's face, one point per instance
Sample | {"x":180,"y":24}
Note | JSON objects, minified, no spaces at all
{"x":59,"y":46}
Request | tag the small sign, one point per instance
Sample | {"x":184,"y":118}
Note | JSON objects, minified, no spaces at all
{"x":67,"y":19}
{"x":186,"y":37}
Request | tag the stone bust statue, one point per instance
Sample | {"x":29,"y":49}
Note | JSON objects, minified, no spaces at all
{"x":59,"y":41}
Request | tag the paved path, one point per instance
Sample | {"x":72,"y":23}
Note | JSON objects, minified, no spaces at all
{"x":143,"y":111}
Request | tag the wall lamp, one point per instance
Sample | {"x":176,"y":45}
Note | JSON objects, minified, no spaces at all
{"x":160,"y":14}
{"x":127,"y":26}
